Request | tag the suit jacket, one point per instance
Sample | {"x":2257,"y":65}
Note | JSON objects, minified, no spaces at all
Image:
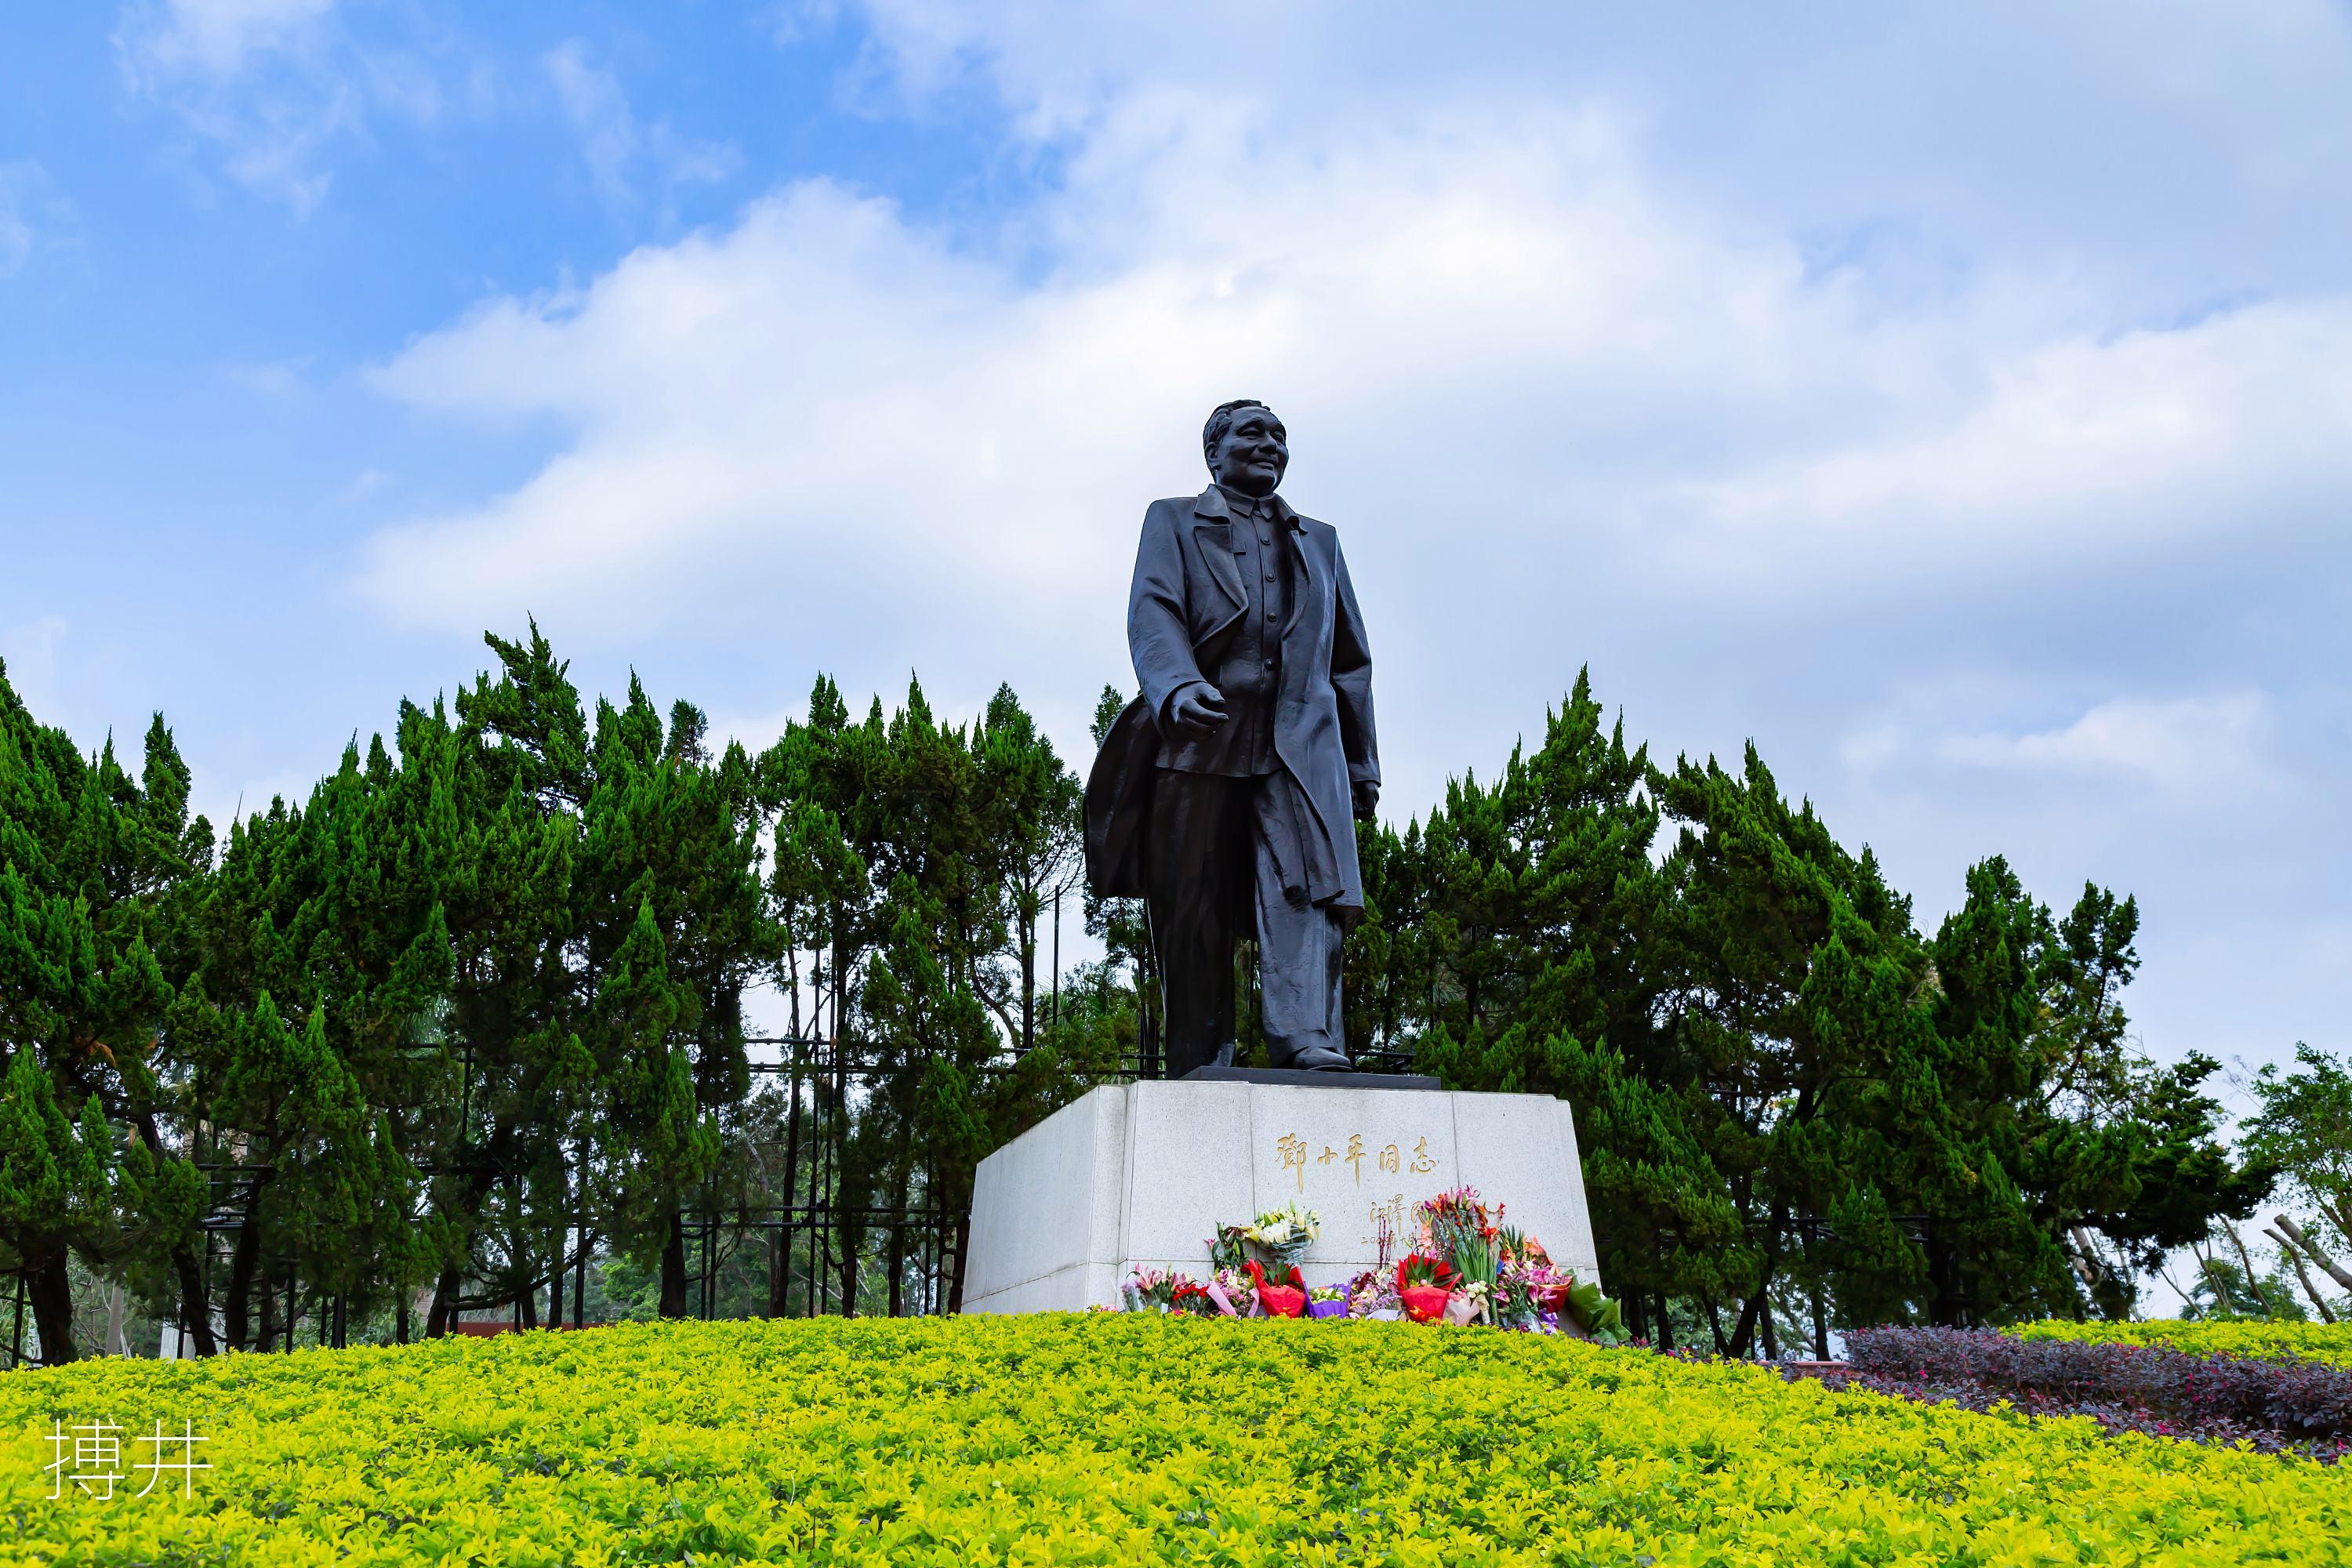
{"x":1185,"y":603}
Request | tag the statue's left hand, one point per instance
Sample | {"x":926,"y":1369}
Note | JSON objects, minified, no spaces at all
{"x":1368,"y":800}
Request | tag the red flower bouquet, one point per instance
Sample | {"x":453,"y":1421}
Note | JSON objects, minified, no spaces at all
{"x":1424,"y":1284}
{"x":1279,"y":1300}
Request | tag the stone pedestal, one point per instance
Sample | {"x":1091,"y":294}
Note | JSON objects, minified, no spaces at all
{"x":1143,"y":1173}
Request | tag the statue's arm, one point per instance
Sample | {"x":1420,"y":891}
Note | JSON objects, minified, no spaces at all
{"x":1351,"y":680}
{"x":1158,"y":636}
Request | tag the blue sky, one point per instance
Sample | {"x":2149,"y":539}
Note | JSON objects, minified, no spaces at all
{"x":1957,"y":401}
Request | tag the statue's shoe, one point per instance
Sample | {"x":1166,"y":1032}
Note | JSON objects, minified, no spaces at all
{"x":1320,"y":1059}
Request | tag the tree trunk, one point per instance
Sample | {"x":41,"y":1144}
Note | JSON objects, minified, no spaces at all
{"x":244,"y":1268}
{"x":962,"y":1250}
{"x":1743,"y":1329}
{"x":116,"y":1300}
{"x":196,"y":1311}
{"x":2303,"y":1274}
{"x":1753,"y":1310}
{"x":1665,"y":1324}
{"x":898,"y":1249}
{"x":673,"y":1268}
{"x":2253,"y":1280}
{"x":2301,"y":1238}
{"x":269,"y":1330}
{"x":49,"y":1288}
{"x":444,"y":1313}
{"x":1947,"y":1309}
{"x":1743,"y":1333}
{"x":780,"y":1270}
{"x":1821,"y":1327}
{"x":1028,"y":979}
{"x":2077,"y":1252}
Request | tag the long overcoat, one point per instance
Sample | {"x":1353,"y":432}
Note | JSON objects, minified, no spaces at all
{"x":1185,"y":604}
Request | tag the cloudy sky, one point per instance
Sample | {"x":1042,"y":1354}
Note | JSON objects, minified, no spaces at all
{"x":1957,"y":401}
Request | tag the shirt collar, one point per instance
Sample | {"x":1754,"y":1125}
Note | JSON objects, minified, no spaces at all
{"x":1272,"y":507}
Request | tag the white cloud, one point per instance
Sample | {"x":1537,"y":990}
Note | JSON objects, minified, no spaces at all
{"x":2125,"y":443}
{"x":1617,"y":379}
{"x":616,"y":148}
{"x":258,"y":79}
{"x":2200,"y":745}
{"x":276,"y":89}
{"x":34,"y":217}
{"x":218,"y":37}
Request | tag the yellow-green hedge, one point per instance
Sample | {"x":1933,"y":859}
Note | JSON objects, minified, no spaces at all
{"x":2330,"y":1343}
{"x":1113,"y":1439}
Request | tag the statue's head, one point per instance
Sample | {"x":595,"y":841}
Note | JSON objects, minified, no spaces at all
{"x":1246,"y":447}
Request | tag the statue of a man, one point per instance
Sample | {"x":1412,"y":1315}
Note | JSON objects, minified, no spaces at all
{"x":1225,"y":795}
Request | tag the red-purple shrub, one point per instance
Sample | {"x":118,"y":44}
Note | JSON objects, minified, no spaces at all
{"x":2273,"y":1403}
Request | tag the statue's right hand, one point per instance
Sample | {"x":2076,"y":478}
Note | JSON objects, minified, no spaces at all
{"x":1197,"y":710}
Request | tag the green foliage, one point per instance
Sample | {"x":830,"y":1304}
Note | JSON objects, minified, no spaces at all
{"x":474,"y":1009}
{"x":1113,"y":1438}
{"x":1785,"y":1092}
{"x":2330,"y":1343}
{"x":2304,"y":1130}
{"x":89,"y":859}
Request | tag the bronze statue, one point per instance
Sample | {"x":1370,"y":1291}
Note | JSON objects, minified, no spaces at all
{"x":1223,"y":795}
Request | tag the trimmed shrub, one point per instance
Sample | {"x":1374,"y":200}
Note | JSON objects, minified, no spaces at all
{"x":2271,"y":1403}
{"x":2329,"y":1342}
{"x":1110,"y":1438}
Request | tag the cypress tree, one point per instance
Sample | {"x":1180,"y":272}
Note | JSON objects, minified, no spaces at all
{"x":87,"y":857}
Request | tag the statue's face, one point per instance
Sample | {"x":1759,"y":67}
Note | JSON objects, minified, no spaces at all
{"x":1253,"y":452}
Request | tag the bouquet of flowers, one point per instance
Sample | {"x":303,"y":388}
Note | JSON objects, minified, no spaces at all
{"x":1532,"y":1293}
{"x":1282,"y":1299}
{"x":1230,"y":1247}
{"x":1590,"y":1311}
{"x":1373,"y":1294}
{"x":1450,"y":1219}
{"x":1458,"y":1228}
{"x":1286,"y":1233}
{"x":1193,"y":1298}
{"x":1526,"y":1288}
{"x":1466,"y":1265}
{"x":1233,"y":1293}
{"x":1151,"y":1290}
{"x":1424,"y":1285}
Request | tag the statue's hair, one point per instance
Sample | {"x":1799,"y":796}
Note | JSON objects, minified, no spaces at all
{"x":1222,"y":421}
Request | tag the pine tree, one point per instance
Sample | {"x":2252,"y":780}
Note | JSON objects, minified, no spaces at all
{"x":87,"y":857}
